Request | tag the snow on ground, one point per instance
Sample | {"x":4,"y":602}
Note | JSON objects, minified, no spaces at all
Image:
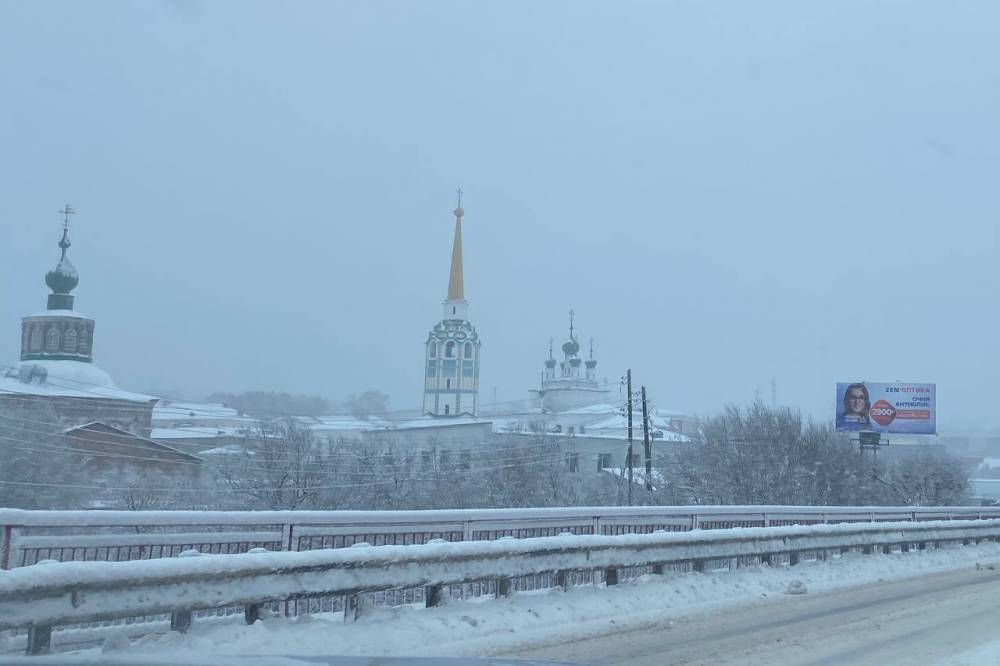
{"x":486,"y":626}
{"x":987,"y":654}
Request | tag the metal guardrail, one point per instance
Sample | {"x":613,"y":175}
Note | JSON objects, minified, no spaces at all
{"x":43,"y":596}
{"x":27,"y":537}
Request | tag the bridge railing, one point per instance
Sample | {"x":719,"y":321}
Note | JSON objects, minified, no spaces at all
{"x":27,"y":537}
{"x":43,"y":596}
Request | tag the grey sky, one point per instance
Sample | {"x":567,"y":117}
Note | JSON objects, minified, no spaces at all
{"x":725,"y":192}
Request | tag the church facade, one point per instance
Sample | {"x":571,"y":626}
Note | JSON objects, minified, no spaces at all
{"x":56,"y":368}
{"x":570,"y":386}
{"x":451,"y":355}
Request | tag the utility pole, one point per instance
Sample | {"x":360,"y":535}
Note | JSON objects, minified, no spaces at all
{"x":647,"y":447}
{"x":628,"y":407}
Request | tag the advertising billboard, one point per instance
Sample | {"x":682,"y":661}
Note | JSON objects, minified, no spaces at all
{"x":892,"y":408}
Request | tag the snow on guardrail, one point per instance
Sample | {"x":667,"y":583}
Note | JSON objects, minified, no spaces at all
{"x":74,"y":592}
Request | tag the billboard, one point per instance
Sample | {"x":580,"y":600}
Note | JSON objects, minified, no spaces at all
{"x":892,"y":408}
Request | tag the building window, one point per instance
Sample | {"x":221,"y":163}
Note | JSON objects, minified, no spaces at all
{"x":572,"y":430}
{"x":468,"y":350}
{"x":447,"y":408}
{"x":447,"y":383}
{"x":36,"y":339}
{"x":444,"y":458}
{"x":603,"y":461}
{"x":449,"y":350}
{"x":69,"y":342}
{"x":84,"y":344}
{"x":465,"y":459}
{"x":449,"y":368}
{"x":426,"y":459}
{"x":431,"y":369}
{"x":573,"y":461}
{"x":468,"y":369}
{"x":453,"y":309}
{"x":52,"y":340}
{"x":432,"y":350}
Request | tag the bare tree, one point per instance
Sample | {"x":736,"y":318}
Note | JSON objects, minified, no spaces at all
{"x":279,"y":464}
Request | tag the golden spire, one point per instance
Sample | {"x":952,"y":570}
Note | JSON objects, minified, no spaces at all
{"x":456,"y":287}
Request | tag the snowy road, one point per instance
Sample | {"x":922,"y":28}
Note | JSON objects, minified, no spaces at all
{"x":928,"y":620}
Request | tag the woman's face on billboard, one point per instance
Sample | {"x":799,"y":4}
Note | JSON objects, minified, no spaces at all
{"x":856,"y":400}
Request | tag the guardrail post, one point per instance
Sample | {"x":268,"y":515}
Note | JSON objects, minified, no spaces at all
{"x":766,"y":559}
{"x":921,"y":545}
{"x":562,"y":579}
{"x":39,"y":639}
{"x":844,"y":550}
{"x":504,"y":587}
{"x":180,"y":621}
{"x":793,"y":558}
{"x":867,"y":549}
{"x":965,"y":542}
{"x":904,"y":547}
{"x":658,"y":569}
{"x":611,"y":576}
{"x":8,"y":536}
{"x":887,"y":549}
{"x":698,"y":565}
{"x":251,"y":613}
{"x":433,"y":595}
{"x":352,"y":607}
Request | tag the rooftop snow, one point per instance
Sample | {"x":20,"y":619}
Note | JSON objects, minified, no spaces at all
{"x":73,"y":379}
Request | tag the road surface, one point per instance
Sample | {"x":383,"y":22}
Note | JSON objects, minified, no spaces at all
{"x":919,"y":621}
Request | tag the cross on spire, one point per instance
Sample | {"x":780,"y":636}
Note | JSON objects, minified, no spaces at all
{"x":459,"y":197}
{"x":571,"y":313}
{"x":66,"y":212}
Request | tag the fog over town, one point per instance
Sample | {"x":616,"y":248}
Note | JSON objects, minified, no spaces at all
{"x":264,"y":193}
{"x":389,"y":331}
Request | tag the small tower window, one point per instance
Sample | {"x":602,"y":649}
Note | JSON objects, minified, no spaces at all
{"x":447,"y":383}
{"x":84,"y":343}
{"x":453,"y":309}
{"x":69,"y":342}
{"x":447,"y":410}
{"x":36,"y":339}
{"x":52,"y":340}
{"x":468,"y":350}
{"x":432,"y":350}
{"x":449,"y":350}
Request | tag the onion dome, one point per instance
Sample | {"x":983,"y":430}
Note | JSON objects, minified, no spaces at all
{"x":571,"y":347}
{"x":550,"y":362}
{"x":63,"y":278}
{"x":591,"y":363}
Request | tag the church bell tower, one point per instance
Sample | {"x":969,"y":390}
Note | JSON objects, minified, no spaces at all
{"x":451,"y":379}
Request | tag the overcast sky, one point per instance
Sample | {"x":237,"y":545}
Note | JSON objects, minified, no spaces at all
{"x":725,"y":192}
